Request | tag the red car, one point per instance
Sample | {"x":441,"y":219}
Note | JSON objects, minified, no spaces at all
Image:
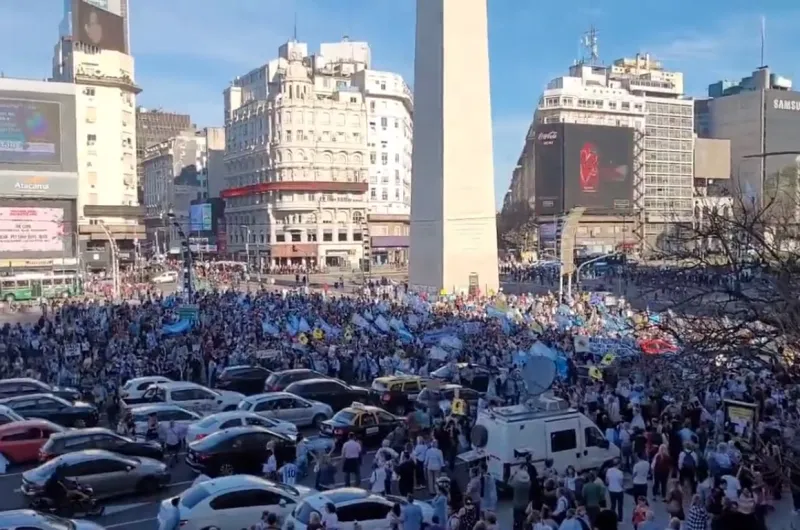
{"x":20,"y":441}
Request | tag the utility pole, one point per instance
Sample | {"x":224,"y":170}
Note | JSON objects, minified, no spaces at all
{"x":247,"y":246}
{"x":114,"y":260}
{"x":186,"y":250}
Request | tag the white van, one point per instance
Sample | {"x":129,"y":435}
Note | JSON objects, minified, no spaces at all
{"x":542,"y":429}
{"x":166,"y":277}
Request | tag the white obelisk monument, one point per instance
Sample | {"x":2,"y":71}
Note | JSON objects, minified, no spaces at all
{"x":453,"y":228}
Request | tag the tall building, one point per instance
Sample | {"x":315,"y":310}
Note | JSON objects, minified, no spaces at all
{"x":453,"y":230}
{"x":214,"y":162}
{"x":298,"y":160}
{"x":117,"y":7}
{"x":38,"y":176}
{"x":635,"y":93}
{"x":154,"y":126}
{"x":175,"y":174}
{"x":759,"y":114}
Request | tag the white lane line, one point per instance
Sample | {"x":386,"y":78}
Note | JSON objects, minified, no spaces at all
{"x":119,"y":508}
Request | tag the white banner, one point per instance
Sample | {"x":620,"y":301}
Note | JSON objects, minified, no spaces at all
{"x":31,"y":229}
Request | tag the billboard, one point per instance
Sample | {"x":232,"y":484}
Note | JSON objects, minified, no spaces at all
{"x":200,"y":218}
{"x":37,"y":130}
{"x":98,"y":27}
{"x":598,"y":168}
{"x":549,"y":169}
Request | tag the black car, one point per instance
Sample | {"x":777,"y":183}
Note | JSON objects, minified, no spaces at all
{"x":98,"y":438}
{"x":25,"y":386}
{"x":368,"y":423}
{"x":55,"y":409}
{"x":397,"y":393}
{"x":278,"y":381}
{"x":247,"y":380}
{"x":238,"y":450}
{"x":333,"y":392}
{"x":445,"y":394}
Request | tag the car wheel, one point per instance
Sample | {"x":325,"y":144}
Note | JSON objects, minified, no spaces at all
{"x":225,"y":470}
{"x":317,"y":421}
{"x":147,"y":485}
{"x":80,"y":423}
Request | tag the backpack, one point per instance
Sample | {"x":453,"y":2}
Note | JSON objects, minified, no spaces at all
{"x":688,"y":461}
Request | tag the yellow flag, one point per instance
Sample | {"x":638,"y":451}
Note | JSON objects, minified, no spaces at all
{"x":459,"y":407}
{"x":595,"y":373}
{"x":608,"y":359}
{"x":318,"y":334}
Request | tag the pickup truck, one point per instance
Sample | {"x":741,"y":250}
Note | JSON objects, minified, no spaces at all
{"x":190,"y":396}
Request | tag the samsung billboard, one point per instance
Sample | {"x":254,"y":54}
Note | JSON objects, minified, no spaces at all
{"x":588,"y":166}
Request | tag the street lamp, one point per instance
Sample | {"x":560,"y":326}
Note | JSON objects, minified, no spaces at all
{"x":247,"y":244}
{"x":188,"y":285}
{"x":114,"y":259}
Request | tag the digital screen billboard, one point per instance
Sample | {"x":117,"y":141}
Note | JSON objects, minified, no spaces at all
{"x":30,"y":131}
{"x":31,"y":229}
{"x":549,"y":169}
{"x":598,"y":168}
{"x":200,"y":217}
{"x":98,"y":27}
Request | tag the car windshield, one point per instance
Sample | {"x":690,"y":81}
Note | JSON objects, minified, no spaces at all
{"x":194,"y":495}
{"x":303,"y":513}
{"x":344,"y":416}
{"x":379,"y":386}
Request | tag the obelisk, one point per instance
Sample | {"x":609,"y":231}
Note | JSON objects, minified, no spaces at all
{"x":453,"y":227}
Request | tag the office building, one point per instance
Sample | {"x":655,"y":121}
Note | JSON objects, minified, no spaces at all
{"x":297,"y":156}
{"x":453,"y":230}
{"x":759,"y":114}
{"x":38,"y":176}
{"x":154,"y":126}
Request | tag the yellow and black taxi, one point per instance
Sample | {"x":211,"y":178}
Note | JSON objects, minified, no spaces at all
{"x":397,"y":393}
{"x":367,"y":422}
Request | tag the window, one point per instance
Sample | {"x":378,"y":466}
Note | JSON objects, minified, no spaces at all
{"x":183,"y":395}
{"x":91,"y":139}
{"x":259,"y":422}
{"x":373,"y":193}
{"x":367,"y":420}
{"x":397,"y":158}
{"x":280,"y":238}
{"x":372,"y":157}
{"x":327,"y":236}
{"x":177,"y":415}
{"x":244,"y":499}
{"x":384,"y":122}
{"x":593,"y":437}
{"x":363,"y":511}
{"x":384,"y":194}
{"x":27,"y":434}
{"x":266,"y":405}
{"x":384,"y":158}
{"x":563,"y":441}
{"x":236,"y":422}
{"x":411,"y":386}
{"x":342,"y":236}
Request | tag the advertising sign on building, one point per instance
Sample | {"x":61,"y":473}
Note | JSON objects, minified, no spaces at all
{"x":200,"y":218}
{"x":98,"y":27}
{"x":549,"y":169}
{"x":30,"y":131}
{"x":31,"y":229}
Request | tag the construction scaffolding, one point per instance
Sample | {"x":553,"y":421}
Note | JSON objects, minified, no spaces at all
{"x":639,"y":176}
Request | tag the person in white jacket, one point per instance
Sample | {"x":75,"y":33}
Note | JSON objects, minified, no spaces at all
{"x":378,"y":479}
{"x":434,"y":463}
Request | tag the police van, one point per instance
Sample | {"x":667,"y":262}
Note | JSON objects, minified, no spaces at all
{"x":505,"y":438}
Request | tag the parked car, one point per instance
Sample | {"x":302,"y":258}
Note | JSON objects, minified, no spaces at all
{"x":165,"y":277}
{"x":278,"y":381}
{"x":237,"y":450}
{"x":237,"y":418}
{"x":7,"y":415}
{"x":237,"y":500}
{"x":21,"y":441}
{"x":135,"y":388}
{"x":247,"y":380}
{"x":108,"y":474}
{"x":333,"y":392}
{"x":31,"y":519}
{"x":165,"y":413}
{"x":55,"y":409}
{"x":74,"y":440}
{"x":189,"y":396}
{"x":370,"y":424}
{"x":22,"y":386}
{"x":288,"y":407}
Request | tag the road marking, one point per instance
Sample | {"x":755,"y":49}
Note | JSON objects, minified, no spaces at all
{"x":130,"y":523}
{"x":119,"y":508}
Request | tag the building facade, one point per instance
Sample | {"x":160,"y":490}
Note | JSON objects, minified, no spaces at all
{"x":154,"y":126}
{"x":299,"y":137}
{"x":175,"y":175}
{"x":108,"y":203}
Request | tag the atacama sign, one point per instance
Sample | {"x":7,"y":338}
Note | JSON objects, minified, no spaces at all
{"x":53,"y":185}
{"x":34,"y":184}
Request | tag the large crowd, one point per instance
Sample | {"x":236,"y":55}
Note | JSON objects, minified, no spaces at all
{"x":678,"y":445}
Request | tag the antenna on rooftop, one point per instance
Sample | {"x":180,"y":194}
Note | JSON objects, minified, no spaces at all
{"x":590,"y":48}
{"x":763,"y":38}
{"x":294,"y":30}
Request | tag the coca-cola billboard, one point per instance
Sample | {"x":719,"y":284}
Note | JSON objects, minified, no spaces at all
{"x":549,"y":169}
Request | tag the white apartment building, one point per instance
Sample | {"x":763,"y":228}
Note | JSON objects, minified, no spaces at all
{"x":175,"y":174}
{"x":106,"y":138}
{"x":297,"y":161}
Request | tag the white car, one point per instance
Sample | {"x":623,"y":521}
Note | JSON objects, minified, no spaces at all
{"x":237,"y":418}
{"x":135,"y":388}
{"x":288,"y":407}
{"x":165,"y":277}
{"x":236,"y":501}
{"x":352,"y":504}
{"x":190,"y":396}
{"x":165,"y":413}
{"x":7,"y":415}
{"x":29,"y":519}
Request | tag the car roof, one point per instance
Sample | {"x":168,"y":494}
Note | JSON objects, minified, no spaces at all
{"x":234,"y":431}
{"x":29,"y":518}
{"x":23,"y":380}
{"x":12,"y":399}
{"x":235,"y":482}
{"x":397,"y":378}
{"x":155,"y":407}
{"x":244,"y":367}
{"x":88,"y":454}
{"x":178,"y":385}
{"x":315,"y":380}
{"x":363,"y":407}
{"x":227,"y":415}
{"x":268,"y":396}
{"x":84,"y":432}
{"x":296,"y":371}
{"x":149,"y":378}
{"x":27,"y":424}
{"x":340,"y":496}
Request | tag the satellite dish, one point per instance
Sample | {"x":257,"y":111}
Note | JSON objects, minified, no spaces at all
{"x":538,"y":374}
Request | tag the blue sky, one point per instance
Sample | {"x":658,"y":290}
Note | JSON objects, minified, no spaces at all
{"x":187,"y":51}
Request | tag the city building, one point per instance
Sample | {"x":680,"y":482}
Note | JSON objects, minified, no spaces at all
{"x":636,"y":93}
{"x":94,"y":56}
{"x":38,"y":176}
{"x":154,"y":126}
{"x":175,"y":175}
{"x":298,"y":164}
{"x":117,"y":7}
{"x":214,"y":162}
{"x":759,"y":115}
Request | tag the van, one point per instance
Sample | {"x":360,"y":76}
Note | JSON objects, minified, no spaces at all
{"x":543,"y":429}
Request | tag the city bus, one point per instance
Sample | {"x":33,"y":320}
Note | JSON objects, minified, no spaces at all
{"x":34,"y":285}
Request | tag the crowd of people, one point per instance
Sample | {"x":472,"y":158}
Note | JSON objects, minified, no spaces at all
{"x":670,"y":425}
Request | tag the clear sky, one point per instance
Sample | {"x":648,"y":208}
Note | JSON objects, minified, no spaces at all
{"x":187,"y":51}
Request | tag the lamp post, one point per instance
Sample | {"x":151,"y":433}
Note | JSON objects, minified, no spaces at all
{"x":114,"y":260}
{"x":188,"y":284}
{"x":247,"y":244}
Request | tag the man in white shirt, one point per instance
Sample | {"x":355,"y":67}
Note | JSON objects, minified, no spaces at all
{"x":615,"y":481}
{"x":640,"y":472}
{"x":351,"y":460}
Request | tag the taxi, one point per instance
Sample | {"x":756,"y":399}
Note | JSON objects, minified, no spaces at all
{"x":397,"y":393}
{"x":368,"y":423}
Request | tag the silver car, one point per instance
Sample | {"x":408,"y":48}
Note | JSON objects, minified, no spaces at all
{"x":288,"y":407}
{"x":109,"y":474}
{"x":29,"y":519}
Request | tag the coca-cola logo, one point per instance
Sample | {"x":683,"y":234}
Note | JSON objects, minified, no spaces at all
{"x":545,"y":136}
